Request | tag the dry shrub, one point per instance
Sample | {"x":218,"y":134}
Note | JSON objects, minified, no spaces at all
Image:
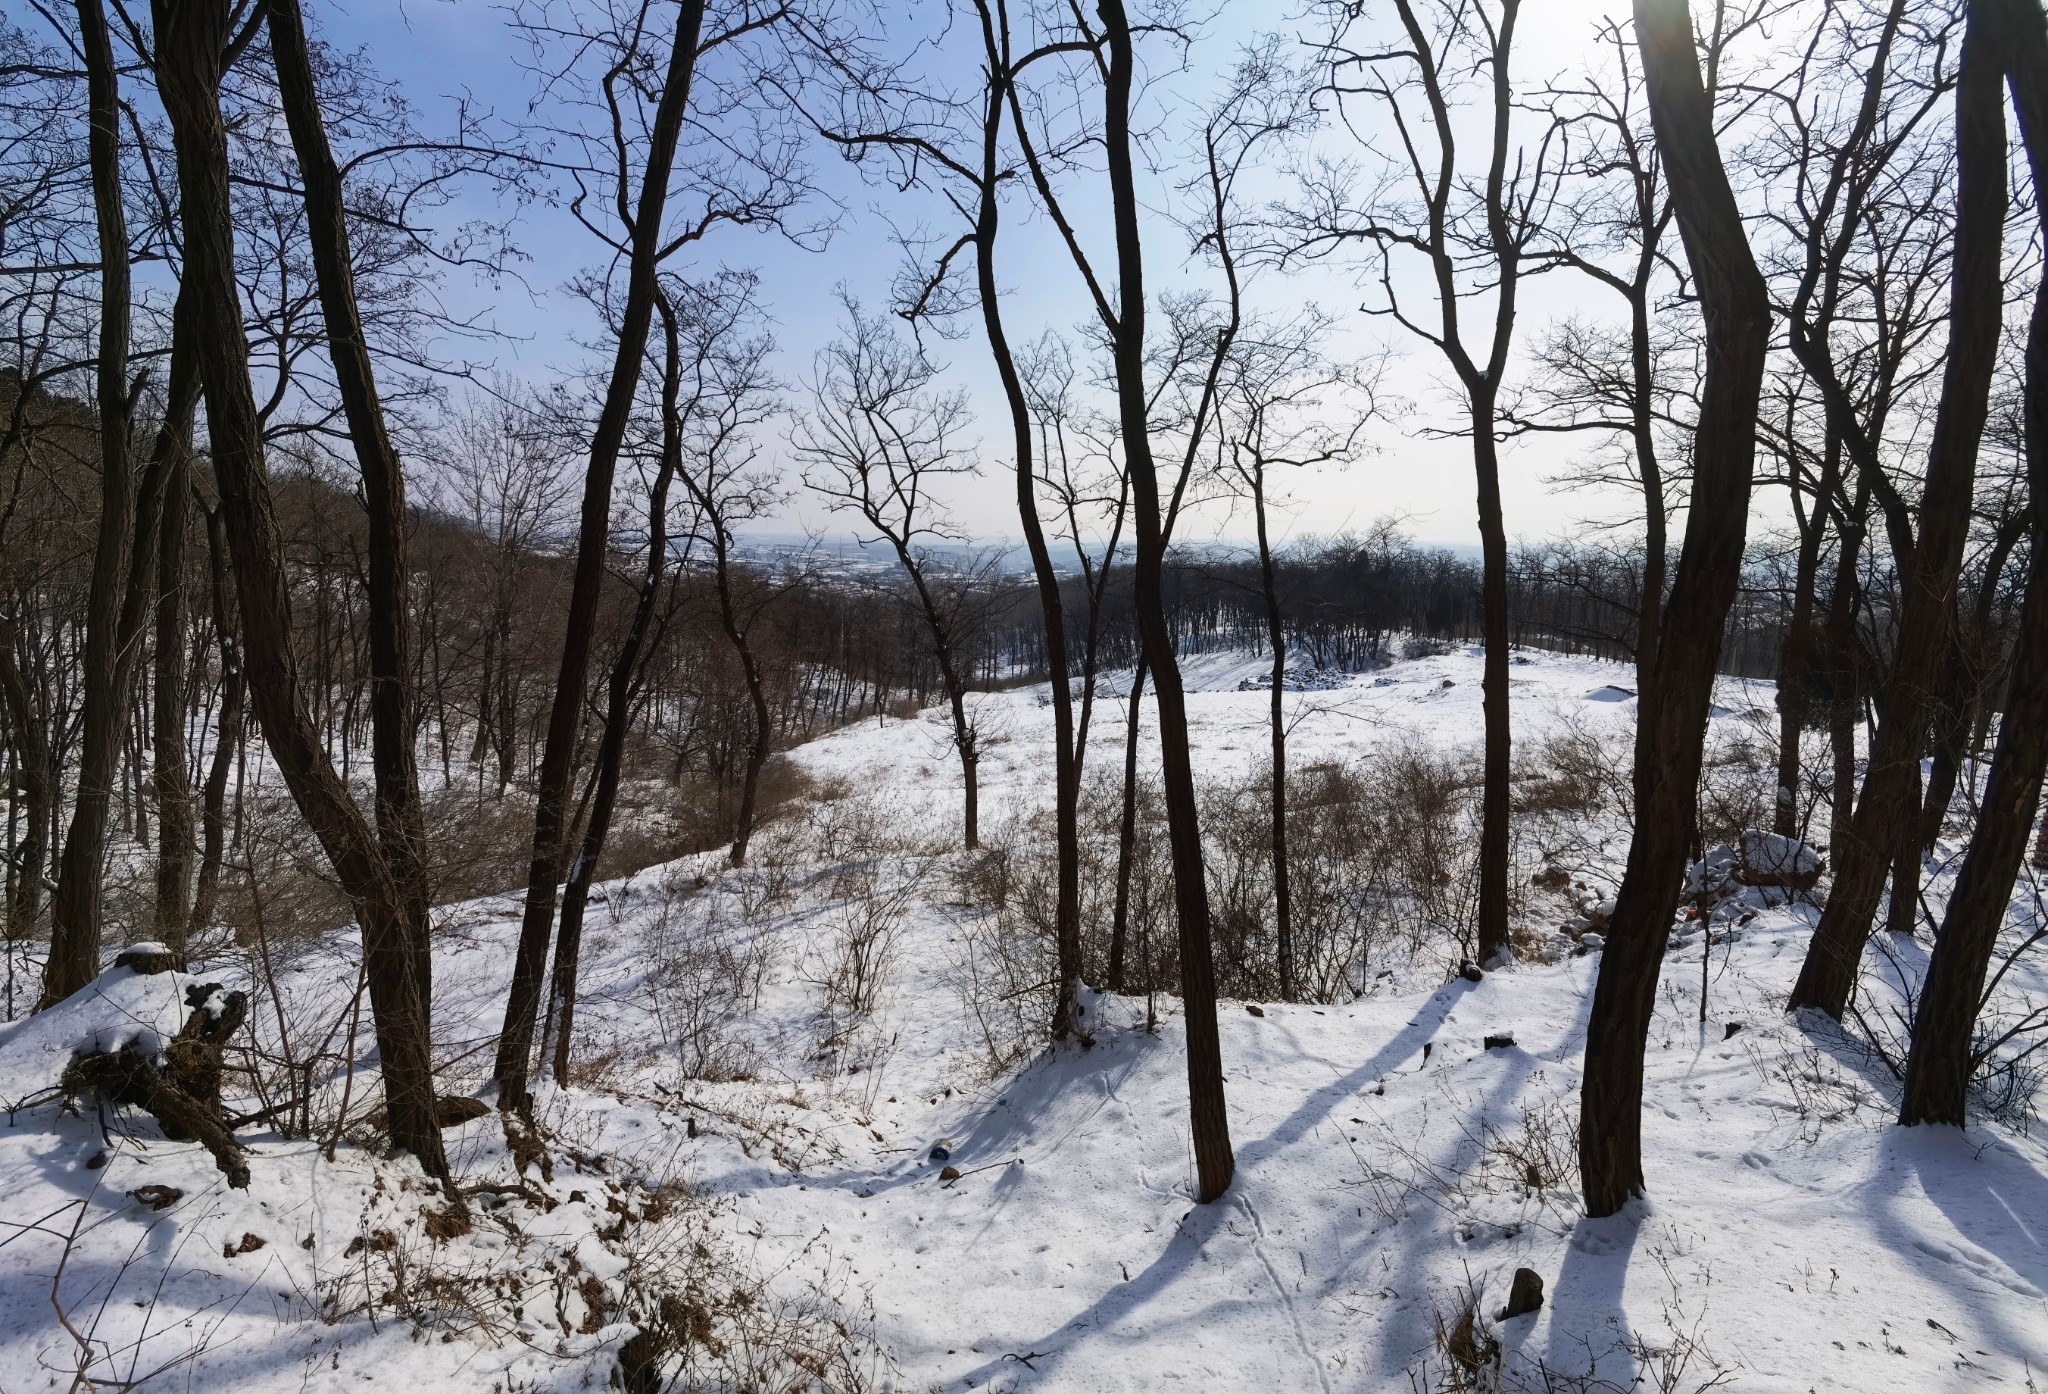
{"x":1381,"y":868}
{"x":712,"y":1319}
{"x":1738,"y":782}
{"x":863,"y":922}
{"x":1004,"y":963}
{"x":703,"y":978}
{"x":699,"y":812}
{"x":858,"y":827}
{"x":1382,"y":862}
{"x":1579,"y":768}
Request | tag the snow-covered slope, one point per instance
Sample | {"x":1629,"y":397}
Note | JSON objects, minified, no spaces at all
{"x":1388,"y":1162}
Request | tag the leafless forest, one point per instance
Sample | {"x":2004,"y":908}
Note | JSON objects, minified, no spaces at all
{"x":315,"y":614}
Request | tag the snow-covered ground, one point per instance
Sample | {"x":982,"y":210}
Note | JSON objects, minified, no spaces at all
{"x":739,"y":1138}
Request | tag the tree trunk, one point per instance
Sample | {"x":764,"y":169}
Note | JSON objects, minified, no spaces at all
{"x":1840,"y":644}
{"x":1796,"y":651}
{"x":1495,"y":813}
{"x":75,"y":910}
{"x":1127,"y":834}
{"x":36,"y":778}
{"x":1963,"y":697}
{"x":550,"y":825}
{"x":757,"y":689}
{"x":1929,"y":579}
{"x":1902,"y":909}
{"x":171,"y":779}
{"x":1276,"y":637}
{"x":401,"y":830}
{"x":1672,"y":709}
{"x":1208,"y":1119}
{"x":191,"y":41}
{"x":561,"y":1013}
{"x":227,"y":737}
{"x":1066,"y":750}
{"x":970,"y":760}
{"x":1941,"y":1059}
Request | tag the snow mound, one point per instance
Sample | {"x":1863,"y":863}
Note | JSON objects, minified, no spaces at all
{"x":120,"y":1007}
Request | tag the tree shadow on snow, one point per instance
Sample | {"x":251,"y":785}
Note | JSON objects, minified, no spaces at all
{"x":1186,"y":1247}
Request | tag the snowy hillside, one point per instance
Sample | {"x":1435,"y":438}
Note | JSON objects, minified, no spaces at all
{"x":794,"y":1151}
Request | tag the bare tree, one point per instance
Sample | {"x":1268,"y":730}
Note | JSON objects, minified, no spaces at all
{"x":629,"y":87}
{"x":1610,"y":227}
{"x":502,"y":471}
{"x":730,"y":398}
{"x":558,"y":1029}
{"x":75,"y":926}
{"x":879,"y":441}
{"x":934,"y":139}
{"x":1671,"y":719}
{"x":646,"y":194}
{"x":1476,"y":236}
{"x":1944,"y":1053}
{"x":1284,"y":406}
{"x":195,"y":43}
{"x":228,"y":724}
{"x":1930,"y":561}
{"x":1112,"y":51}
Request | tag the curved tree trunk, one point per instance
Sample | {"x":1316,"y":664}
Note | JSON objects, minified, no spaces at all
{"x":561,"y":1014}
{"x":551,"y":805}
{"x":1066,"y":751}
{"x":401,"y":980}
{"x":192,"y":40}
{"x":1672,"y":710}
{"x":1975,"y":309}
{"x":1942,"y":1056}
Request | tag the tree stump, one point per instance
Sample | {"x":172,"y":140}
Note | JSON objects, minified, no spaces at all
{"x":183,"y":1092}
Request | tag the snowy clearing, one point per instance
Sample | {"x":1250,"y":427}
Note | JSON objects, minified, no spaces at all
{"x":775,"y":1155}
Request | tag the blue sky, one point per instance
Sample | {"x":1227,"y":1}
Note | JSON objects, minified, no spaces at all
{"x":437,"y":50}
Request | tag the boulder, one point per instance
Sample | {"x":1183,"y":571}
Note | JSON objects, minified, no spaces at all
{"x":1770,"y":859}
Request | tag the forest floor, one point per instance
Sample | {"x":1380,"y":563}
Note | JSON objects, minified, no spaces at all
{"x":766,"y":1061}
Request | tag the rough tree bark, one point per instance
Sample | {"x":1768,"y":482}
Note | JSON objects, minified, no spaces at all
{"x":550,"y":820}
{"x":618,"y":713}
{"x":1890,"y":783}
{"x":1208,"y":1119}
{"x":75,"y":909}
{"x":192,"y":47}
{"x":1942,"y":1055}
{"x":1672,"y":715}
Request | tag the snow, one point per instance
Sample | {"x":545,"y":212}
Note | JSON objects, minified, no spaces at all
{"x":1387,"y":1161}
{"x":120,"y":1007}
